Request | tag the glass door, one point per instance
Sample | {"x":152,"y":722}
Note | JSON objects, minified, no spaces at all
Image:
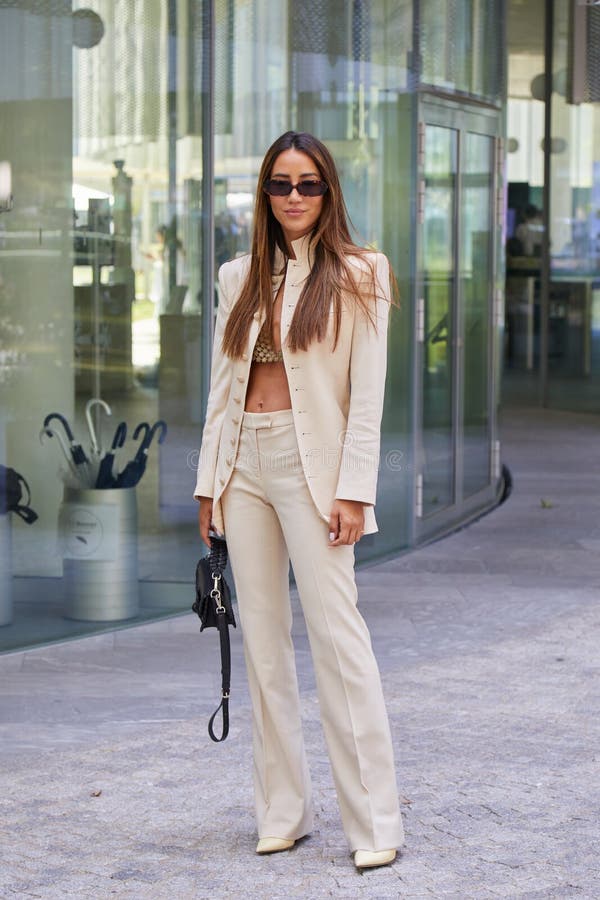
{"x":457,"y":239}
{"x":476,"y":277}
{"x":437,"y":313}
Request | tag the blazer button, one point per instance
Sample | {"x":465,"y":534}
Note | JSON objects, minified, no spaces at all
{"x":245,"y":357}
{"x":221,"y":481}
{"x":232,"y":442}
{"x":241,"y":379}
{"x":236,"y":421}
{"x":237,"y":399}
{"x":256,"y":316}
{"x":229,"y":460}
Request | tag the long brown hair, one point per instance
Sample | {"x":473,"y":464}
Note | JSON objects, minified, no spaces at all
{"x":331,"y":276}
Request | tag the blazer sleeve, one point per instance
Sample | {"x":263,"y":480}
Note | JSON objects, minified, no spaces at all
{"x":220,"y":383}
{"x":368,"y":364}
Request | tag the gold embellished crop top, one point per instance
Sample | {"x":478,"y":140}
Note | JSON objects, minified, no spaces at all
{"x":264,"y":350}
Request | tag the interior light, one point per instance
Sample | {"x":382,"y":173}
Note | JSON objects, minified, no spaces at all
{"x":88,"y":28}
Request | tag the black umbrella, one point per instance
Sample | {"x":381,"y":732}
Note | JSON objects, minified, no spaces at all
{"x":129,"y":473}
{"x":134,"y":469}
{"x":76,"y":450}
{"x":106,"y":478}
{"x":50,"y":432}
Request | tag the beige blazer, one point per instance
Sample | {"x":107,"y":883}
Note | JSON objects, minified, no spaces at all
{"x":337,"y":397}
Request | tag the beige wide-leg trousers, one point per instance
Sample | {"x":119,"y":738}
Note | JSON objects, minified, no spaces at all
{"x":270,"y":519}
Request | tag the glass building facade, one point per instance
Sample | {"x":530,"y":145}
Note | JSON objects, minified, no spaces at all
{"x":552,"y":341}
{"x":131,"y":135}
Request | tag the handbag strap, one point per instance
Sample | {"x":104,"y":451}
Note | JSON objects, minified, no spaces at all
{"x":26,"y":513}
{"x":217,"y":556}
{"x":225,"y":676}
{"x":24,"y":509}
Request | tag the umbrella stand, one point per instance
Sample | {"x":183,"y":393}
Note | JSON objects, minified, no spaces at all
{"x":99,"y":542}
{"x":98,"y":525}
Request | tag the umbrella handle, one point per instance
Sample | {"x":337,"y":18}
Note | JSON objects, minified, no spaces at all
{"x":136,"y":433}
{"x":161,"y":425}
{"x":95,"y":401}
{"x":142,"y":449}
{"x":63,"y":422}
{"x":120,"y":436}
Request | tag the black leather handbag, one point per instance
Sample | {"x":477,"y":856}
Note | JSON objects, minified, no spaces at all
{"x":12,"y":487}
{"x":213,"y":606}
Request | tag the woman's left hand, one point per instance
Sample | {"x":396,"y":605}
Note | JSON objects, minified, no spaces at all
{"x":346,"y":522}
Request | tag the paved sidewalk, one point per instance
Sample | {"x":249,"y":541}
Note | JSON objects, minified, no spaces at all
{"x":489,"y":647}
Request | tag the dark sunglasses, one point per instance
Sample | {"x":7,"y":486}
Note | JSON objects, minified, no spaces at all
{"x":277,"y":187}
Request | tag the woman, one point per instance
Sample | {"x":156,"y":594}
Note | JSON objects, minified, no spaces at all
{"x":288,"y":470}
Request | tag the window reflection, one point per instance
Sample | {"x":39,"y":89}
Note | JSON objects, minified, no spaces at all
{"x":103,"y":288}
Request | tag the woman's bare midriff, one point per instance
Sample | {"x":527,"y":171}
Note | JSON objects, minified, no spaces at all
{"x":268,"y":388}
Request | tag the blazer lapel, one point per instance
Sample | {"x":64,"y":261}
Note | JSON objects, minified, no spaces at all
{"x":297,"y":272}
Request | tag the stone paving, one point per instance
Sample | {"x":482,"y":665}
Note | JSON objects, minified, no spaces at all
{"x":488,"y":643}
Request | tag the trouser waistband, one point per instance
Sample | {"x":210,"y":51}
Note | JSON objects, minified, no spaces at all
{"x":267,"y":419}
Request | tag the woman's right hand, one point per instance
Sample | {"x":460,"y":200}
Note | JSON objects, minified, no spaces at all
{"x":205,"y":518}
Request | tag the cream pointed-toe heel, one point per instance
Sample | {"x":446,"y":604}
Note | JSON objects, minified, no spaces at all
{"x":368,"y":859}
{"x":273,"y":845}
